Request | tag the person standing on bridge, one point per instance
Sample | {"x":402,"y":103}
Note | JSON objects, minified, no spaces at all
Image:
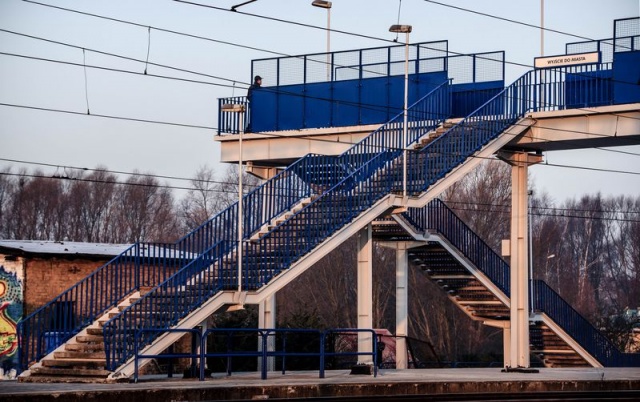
{"x":257,"y":83}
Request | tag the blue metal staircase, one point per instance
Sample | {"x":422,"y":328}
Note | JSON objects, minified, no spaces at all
{"x":288,"y":218}
{"x":463,"y":284}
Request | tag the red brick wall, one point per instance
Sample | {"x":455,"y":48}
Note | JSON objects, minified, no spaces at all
{"x":46,"y":278}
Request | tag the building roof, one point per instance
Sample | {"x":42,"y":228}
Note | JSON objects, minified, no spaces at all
{"x":63,"y":247}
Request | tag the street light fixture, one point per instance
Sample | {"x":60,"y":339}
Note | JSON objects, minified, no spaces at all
{"x":406,"y":29}
{"x":327,"y":5}
{"x":238,"y":108}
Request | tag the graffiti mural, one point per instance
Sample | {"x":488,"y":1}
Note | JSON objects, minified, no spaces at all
{"x":11,"y":301}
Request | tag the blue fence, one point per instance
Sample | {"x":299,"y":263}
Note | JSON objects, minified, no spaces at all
{"x":266,"y":347}
{"x":367,"y":89}
{"x":142,"y":264}
{"x":581,"y":330}
{"x":437,"y":215}
{"x":357,"y":179}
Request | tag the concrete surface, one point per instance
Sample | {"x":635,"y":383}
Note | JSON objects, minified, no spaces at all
{"x":336,"y":383}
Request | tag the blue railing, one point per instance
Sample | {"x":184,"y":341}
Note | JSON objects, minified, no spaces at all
{"x":581,"y":330}
{"x":368,"y":172}
{"x":540,"y":90}
{"x":264,"y":351}
{"x":437,"y":215}
{"x":165,"y":305}
{"x":264,"y":259}
{"x":142,"y":264}
{"x":233,"y":122}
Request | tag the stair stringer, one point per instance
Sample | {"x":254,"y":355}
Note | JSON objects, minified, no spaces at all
{"x":165,"y":340}
{"x":385,"y":204}
{"x":459,"y":256}
{"x":541,"y":316}
{"x":255,"y":297}
{"x":486,"y":152}
{"x":83,"y":332}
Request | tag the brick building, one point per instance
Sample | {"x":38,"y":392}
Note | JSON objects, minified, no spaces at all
{"x":32,"y":273}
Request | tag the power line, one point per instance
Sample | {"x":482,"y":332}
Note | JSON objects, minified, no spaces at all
{"x":111,"y":69}
{"x":551,"y":215}
{"x":368,"y":106}
{"x":214,"y":128}
{"x":508,"y":20}
{"x":149,"y":185}
{"x":154,"y":28}
{"x":105,"y":116}
{"x":214,"y":40}
{"x":239,"y":45}
{"x":617,"y":151}
{"x":122,"y":172}
{"x":365,"y":106}
{"x":81,"y":179}
{"x":488,"y":204}
{"x":119,"y":56}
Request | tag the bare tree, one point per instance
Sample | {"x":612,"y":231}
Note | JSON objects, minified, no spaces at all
{"x":144,"y":212}
{"x":202,"y":202}
{"x":7,"y":190}
{"x":481,"y":199}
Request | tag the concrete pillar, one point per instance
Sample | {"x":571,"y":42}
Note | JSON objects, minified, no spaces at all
{"x":506,"y":346}
{"x":519,"y":316}
{"x":365,"y":293}
{"x":267,"y":320}
{"x":402,"y":304}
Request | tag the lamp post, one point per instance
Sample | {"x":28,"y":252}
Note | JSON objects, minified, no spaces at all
{"x":406,"y":29}
{"x":327,"y":5}
{"x":239,"y":108}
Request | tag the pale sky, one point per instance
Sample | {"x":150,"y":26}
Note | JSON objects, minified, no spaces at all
{"x":63,"y":139}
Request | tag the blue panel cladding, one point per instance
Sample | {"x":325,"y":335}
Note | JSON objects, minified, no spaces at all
{"x":468,"y":97}
{"x":589,"y":88}
{"x":291,"y":101}
{"x":337,"y":103}
{"x":375,"y":100}
{"x":263,"y":110}
{"x":317,"y":106}
{"x":346,"y":103}
{"x":626,"y":77}
{"x":422,"y":84}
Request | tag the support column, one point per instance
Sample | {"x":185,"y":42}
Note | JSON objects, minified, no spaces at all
{"x":506,"y":346}
{"x":267,"y":320}
{"x":365,"y":293}
{"x":402,"y":304}
{"x":519,"y":316}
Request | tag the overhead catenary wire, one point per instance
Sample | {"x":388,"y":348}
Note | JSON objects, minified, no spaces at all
{"x":105,"y":116}
{"x":218,"y":190}
{"x":505,"y":212}
{"x":231,"y":43}
{"x":138,"y":174}
{"x":138,"y":60}
{"x":214,"y":128}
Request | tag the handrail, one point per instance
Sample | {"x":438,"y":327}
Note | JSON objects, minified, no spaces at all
{"x":437,"y":215}
{"x":164,"y":305}
{"x":580,"y":329}
{"x":537,"y":90}
{"x":263,"y":351}
{"x":275,"y":197}
{"x":141,"y":264}
{"x":366,"y":173}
